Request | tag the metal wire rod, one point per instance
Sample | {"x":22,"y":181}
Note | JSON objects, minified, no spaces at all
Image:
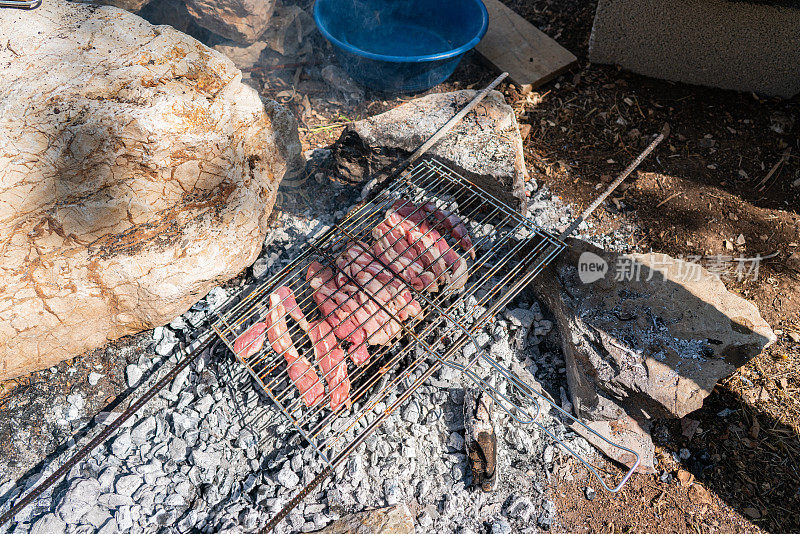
{"x":613,"y":185}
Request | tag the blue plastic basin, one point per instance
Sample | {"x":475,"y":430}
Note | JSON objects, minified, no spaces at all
{"x":401,"y":45}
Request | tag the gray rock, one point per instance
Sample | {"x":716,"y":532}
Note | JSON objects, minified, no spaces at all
{"x":94,"y":378}
{"x":411,"y":413}
{"x":121,"y":446}
{"x":288,"y":478}
{"x":177,"y":385}
{"x":76,"y":400}
{"x":204,"y":404}
{"x":486,"y":146}
{"x":206,"y":459}
{"x":115,"y":500}
{"x":123,"y":518}
{"x":183,"y":423}
{"x":425,"y":520}
{"x":520,"y":317}
{"x":143,"y":430}
{"x":127,"y":484}
{"x":167,"y":343}
{"x":652,"y":338}
{"x":110,"y":527}
{"x":501,"y":526}
{"x":590,"y":493}
{"x":242,"y":21}
{"x":392,"y":492}
{"x":97,"y":516}
{"x":133,"y":374}
{"x":501,"y":351}
{"x":456,"y":441}
{"x":177,"y":449}
{"x":48,"y":524}
{"x":79,"y":499}
{"x":175,"y":500}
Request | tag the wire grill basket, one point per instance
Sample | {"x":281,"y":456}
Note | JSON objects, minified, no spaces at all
{"x":284,"y":346}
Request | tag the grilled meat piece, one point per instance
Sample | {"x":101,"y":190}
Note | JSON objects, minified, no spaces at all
{"x":451,"y":222}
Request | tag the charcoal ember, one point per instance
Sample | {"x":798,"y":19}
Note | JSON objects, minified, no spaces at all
{"x":480,"y":439}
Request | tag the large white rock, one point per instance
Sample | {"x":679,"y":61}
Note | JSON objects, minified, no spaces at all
{"x":136,"y":173}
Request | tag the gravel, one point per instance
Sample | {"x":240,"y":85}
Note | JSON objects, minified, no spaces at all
{"x":210,"y":453}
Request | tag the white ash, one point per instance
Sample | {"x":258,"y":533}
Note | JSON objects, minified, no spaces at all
{"x":210,"y":452}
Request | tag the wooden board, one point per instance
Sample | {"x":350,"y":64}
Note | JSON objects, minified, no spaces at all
{"x":516,"y":46}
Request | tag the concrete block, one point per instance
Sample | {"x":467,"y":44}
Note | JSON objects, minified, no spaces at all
{"x":730,"y":44}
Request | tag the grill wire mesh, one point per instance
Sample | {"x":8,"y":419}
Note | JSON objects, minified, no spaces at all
{"x":506,"y":246}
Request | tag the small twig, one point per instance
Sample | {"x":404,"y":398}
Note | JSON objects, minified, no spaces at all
{"x":679,"y":193}
{"x":762,"y":184}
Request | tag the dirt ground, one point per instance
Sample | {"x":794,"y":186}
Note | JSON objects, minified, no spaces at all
{"x":725,"y":185}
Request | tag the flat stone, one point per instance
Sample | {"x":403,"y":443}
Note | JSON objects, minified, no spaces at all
{"x":172,"y":162}
{"x":651,"y":334}
{"x":395,"y":519}
{"x":486,"y":146}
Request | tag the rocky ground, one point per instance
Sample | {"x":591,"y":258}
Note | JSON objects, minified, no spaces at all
{"x":212,"y":453}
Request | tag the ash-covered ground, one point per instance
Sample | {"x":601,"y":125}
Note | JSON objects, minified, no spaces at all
{"x":211,"y":453}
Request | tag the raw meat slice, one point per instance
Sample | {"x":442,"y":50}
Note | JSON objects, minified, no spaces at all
{"x":397,"y":252}
{"x":452,"y":222}
{"x":290,"y":303}
{"x":250,"y":341}
{"x":300,"y":371}
{"x":432,"y":247}
{"x":330,"y":358}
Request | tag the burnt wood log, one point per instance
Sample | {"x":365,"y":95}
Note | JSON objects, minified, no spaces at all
{"x":480,"y":438}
